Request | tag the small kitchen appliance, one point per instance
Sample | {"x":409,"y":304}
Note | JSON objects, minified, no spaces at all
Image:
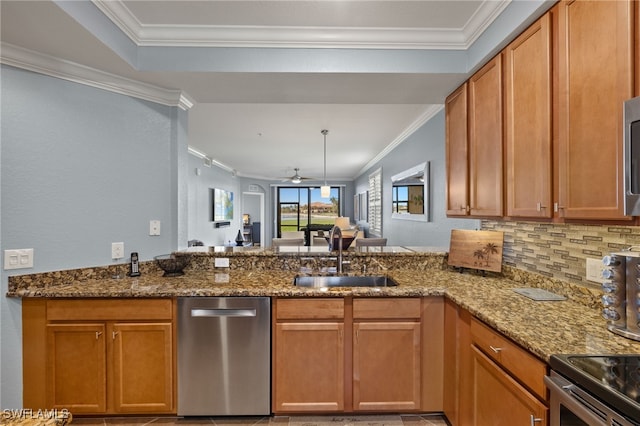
{"x":621,"y":299}
{"x":631,"y":155}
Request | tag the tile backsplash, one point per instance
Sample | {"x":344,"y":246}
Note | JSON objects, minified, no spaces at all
{"x":560,"y":250}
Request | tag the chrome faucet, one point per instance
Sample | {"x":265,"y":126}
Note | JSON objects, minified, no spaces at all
{"x":332,"y":232}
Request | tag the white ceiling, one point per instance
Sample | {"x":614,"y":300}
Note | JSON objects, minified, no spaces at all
{"x":263,"y":124}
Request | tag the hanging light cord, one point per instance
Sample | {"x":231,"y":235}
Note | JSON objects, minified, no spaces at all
{"x":324,"y":133}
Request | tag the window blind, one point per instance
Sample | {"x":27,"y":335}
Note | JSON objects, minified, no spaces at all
{"x":375,"y":203}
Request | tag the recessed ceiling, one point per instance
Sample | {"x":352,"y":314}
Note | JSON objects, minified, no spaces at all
{"x":369,"y":71}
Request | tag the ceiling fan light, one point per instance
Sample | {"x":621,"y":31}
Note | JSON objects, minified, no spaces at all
{"x":325,"y":191}
{"x":295,"y":179}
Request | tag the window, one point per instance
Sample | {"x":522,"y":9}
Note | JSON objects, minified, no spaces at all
{"x":375,"y":203}
{"x":299,"y":206}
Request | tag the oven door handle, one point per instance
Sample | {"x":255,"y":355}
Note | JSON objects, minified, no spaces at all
{"x":572,"y":398}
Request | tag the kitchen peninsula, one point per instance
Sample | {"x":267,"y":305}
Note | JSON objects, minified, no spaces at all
{"x":425,"y":283}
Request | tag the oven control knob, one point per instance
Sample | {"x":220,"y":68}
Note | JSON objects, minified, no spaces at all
{"x":610,"y":261}
{"x":610,"y":314}
{"x":608,"y":274}
{"x":610,"y":300}
{"x":610,"y":286}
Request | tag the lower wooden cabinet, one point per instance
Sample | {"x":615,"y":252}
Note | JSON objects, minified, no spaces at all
{"x":357,"y":354}
{"x":101,"y":356}
{"x":308,"y":355}
{"x":386,"y":354}
{"x":499,"y":400}
{"x":77,"y":367}
{"x":489,"y":380}
{"x":309,"y":367}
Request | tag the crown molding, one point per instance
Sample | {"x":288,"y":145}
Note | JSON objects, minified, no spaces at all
{"x":482,"y":19}
{"x":300,"y":37}
{"x":426,"y":116}
{"x":59,"y":68}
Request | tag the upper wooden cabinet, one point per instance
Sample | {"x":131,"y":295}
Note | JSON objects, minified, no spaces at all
{"x":485,"y":140}
{"x":595,"y":76}
{"x":528,"y":135}
{"x":565,"y":80}
{"x":457,"y":153}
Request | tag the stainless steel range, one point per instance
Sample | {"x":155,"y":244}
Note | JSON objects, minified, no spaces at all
{"x":592,"y":390}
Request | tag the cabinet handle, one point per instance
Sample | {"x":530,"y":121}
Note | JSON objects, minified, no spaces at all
{"x":496,"y":350}
{"x":113,"y":335}
{"x":539,"y":207}
{"x":98,"y":334}
{"x":535,"y":420}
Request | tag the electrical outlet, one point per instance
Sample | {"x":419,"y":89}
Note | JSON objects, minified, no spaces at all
{"x":154,"y":227}
{"x":594,"y":270}
{"x":117,"y":250}
{"x":221,"y":262}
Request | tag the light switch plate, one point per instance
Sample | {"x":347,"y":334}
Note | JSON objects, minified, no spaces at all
{"x":117,"y":250}
{"x":18,"y":259}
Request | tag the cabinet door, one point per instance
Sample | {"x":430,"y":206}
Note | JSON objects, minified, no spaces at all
{"x":142,"y":359}
{"x":485,"y":140}
{"x":386,"y":366}
{"x":308,"y":367}
{"x":457,"y":153}
{"x":76,"y":368}
{"x":498,"y":400}
{"x":595,"y":77}
{"x":528,"y":138}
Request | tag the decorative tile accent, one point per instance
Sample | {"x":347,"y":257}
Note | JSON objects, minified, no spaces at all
{"x":560,"y":250}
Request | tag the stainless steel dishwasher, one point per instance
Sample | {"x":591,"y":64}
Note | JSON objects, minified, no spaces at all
{"x":224,"y":356}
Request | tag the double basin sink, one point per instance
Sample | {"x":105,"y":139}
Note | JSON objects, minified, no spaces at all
{"x":324,"y":281}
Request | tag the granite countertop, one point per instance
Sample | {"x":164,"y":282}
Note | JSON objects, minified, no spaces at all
{"x":544,"y":328}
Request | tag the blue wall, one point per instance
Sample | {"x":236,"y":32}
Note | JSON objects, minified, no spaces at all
{"x":81,"y":168}
{"x":425,"y":144}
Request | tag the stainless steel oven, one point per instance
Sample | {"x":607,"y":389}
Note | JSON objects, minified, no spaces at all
{"x":587,"y":390}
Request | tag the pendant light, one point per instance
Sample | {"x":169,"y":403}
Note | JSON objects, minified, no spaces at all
{"x":325,"y":190}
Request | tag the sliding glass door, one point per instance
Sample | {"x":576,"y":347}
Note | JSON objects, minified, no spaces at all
{"x":301,"y":206}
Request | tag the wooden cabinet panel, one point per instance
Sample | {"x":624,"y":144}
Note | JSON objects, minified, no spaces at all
{"x":528,"y":132}
{"x":386,"y":366}
{"x":310,"y":308}
{"x":595,"y":75}
{"x":142,"y":367}
{"x":457,"y":153}
{"x":76,"y":368}
{"x":527,"y":368}
{"x":380,"y":308}
{"x":309,"y":367}
{"x":109,"y":309}
{"x":494,"y":391}
{"x":457,"y":366}
{"x":485,"y":140}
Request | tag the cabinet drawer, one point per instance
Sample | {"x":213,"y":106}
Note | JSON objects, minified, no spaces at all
{"x":310,"y":308}
{"x":524,"y":366}
{"x":392,"y":308}
{"x":109,"y":309}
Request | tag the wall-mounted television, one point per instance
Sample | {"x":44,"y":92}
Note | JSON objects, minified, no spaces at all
{"x":222,"y":205}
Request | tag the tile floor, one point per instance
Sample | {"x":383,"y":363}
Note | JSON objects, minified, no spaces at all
{"x":337,"y":420}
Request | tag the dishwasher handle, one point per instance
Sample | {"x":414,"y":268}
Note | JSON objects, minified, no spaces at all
{"x":223,"y":312}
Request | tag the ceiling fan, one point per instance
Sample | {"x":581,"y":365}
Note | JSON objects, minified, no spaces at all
{"x":296,"y":178}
